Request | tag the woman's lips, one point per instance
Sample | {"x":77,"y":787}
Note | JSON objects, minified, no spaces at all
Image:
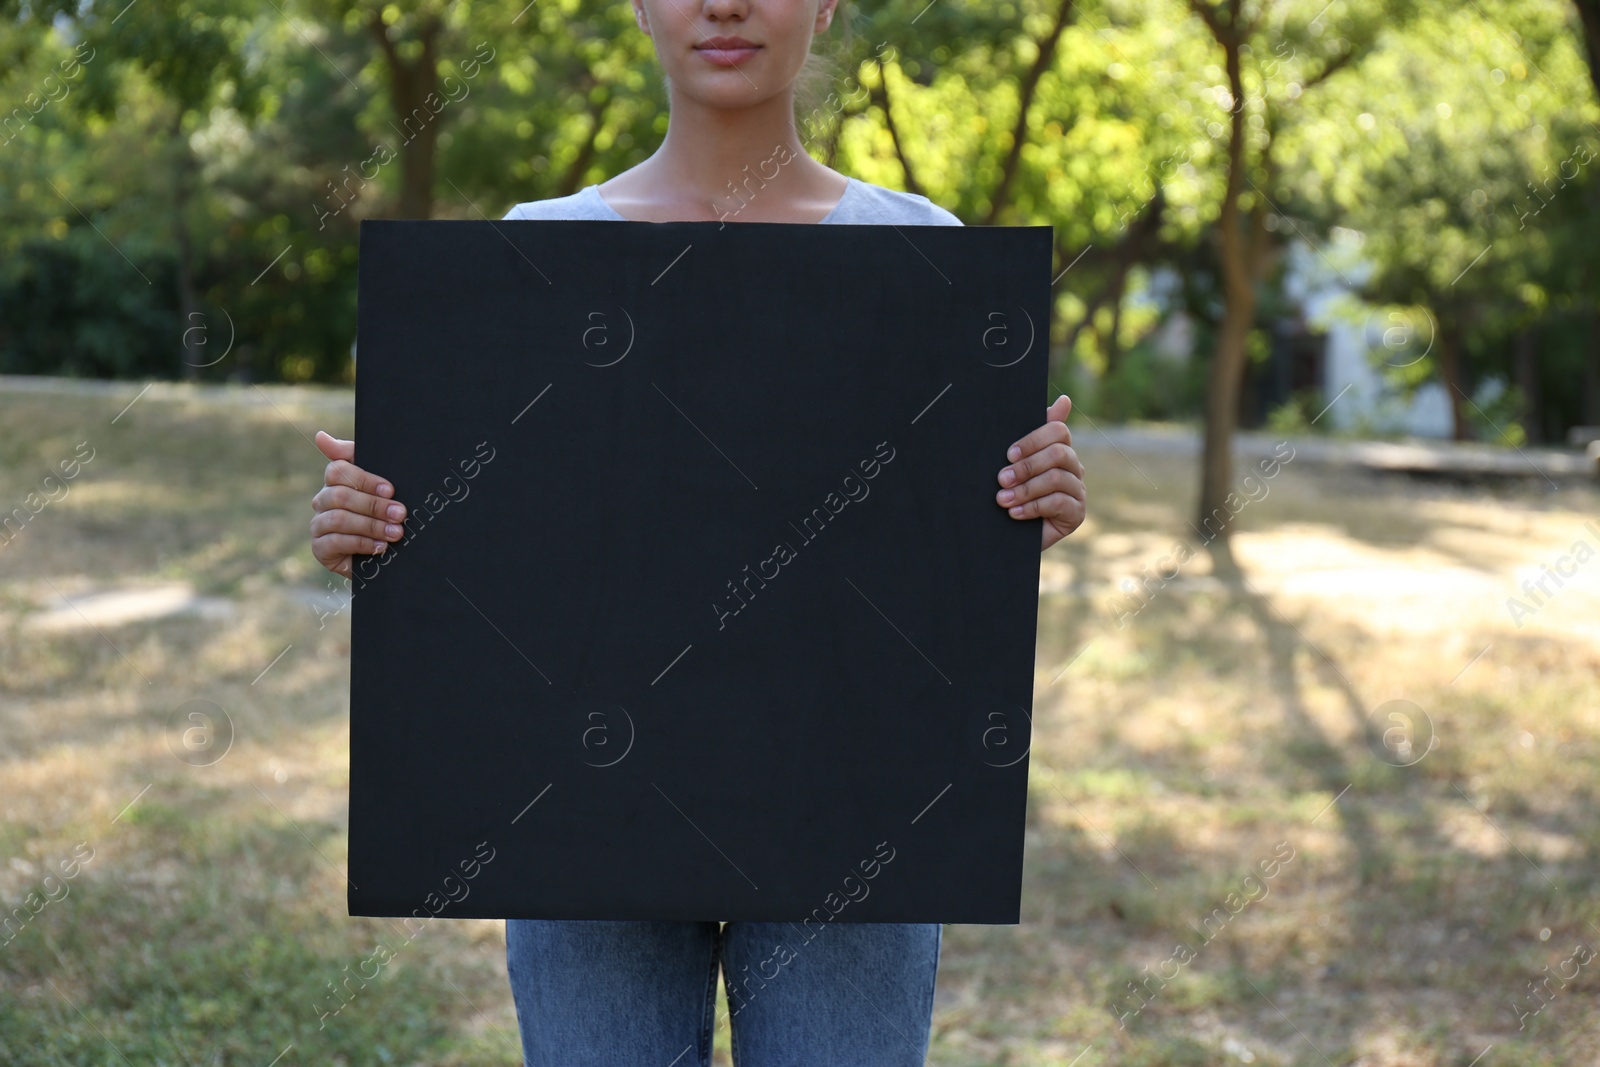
{"x":728,"y":57}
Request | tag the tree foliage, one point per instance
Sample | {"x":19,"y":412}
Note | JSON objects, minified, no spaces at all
{"x":200,"y":174}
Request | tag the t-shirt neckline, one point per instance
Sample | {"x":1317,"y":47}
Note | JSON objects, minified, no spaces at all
{"x":593,"y":191}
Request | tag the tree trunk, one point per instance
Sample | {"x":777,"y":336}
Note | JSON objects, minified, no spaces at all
{"x":1222,"y":415}
{"x":1026,"y":89}
{"x":191,"y":323}
{"x":1242,"y":247}
{"x":1591,"y":375}
{"x":585,"y":156}
{"x":1114,"y":333}
{"x":1135,"y":247}
{"x":1589,"y":15}
{"x":1450,"y":371}
{"x":880,"y":96}
{"x":830,"y":145}
{"x":189,"y":316}
{"x":1527,"y":360}
{"x":418,"y":106}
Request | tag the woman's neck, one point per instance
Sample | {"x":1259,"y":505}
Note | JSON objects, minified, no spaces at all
{"x":720,"y":162}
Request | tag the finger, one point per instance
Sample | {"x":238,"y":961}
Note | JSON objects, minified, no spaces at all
{"x":341,"y":565}
{"x":1054,"y":480}
{"x":343,"y":472}
{"x":343,"y":498}
{"x":333,"y":545}
{"x":1056,"y":454}
{"x":333,"y":447}
{"x":1048,"y":434}
{"x":1048,"y":507}
{"x":1060,"y":409}
{"x":349,"y":522}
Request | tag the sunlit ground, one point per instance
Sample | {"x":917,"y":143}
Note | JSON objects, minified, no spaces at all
{"x":1218,"y":729}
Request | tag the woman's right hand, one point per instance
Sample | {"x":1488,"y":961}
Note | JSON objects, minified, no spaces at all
{"x":356,"y":514}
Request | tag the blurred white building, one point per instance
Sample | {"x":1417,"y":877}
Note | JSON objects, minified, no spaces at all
{"x":1362,"y":342}
{"x":1335,"y":344}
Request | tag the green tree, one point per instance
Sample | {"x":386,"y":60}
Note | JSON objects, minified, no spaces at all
{"x":1466,"y":167}
{"x":1276,"y":54}
{"x":190,"y":52}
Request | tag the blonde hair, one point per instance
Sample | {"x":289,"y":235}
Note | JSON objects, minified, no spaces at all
{"x":824,"y":67}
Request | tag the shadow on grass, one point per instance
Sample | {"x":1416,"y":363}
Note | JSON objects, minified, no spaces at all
{"x":1410,"y":877}
{"x":1434,"y":905}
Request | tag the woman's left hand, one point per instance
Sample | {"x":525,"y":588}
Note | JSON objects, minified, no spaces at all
{"x":1045,"y":477}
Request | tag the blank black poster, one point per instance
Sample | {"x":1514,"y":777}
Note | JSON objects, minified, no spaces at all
{"x":706,"y":609}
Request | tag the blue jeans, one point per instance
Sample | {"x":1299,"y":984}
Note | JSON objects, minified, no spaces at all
{"x":642,"y":994}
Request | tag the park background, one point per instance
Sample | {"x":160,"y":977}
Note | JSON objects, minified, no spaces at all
{"x":1362,"y":235}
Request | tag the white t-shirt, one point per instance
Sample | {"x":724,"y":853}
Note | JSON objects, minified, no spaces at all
{"x":862,"y":204}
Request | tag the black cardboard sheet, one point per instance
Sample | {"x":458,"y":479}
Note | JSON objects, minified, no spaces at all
{"x":706,"y":609}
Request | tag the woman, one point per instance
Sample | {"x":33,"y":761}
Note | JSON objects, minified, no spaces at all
{"x":642,"y":994}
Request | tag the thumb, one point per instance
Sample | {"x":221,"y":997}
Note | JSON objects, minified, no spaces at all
{"x":1060,"y":409}
{"x":334,"y":448}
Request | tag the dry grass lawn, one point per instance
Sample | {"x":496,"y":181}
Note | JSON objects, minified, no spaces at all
{"x":1425,"y":904}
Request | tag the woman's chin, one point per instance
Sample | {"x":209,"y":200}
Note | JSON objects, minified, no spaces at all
{"x":725,"y":91}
